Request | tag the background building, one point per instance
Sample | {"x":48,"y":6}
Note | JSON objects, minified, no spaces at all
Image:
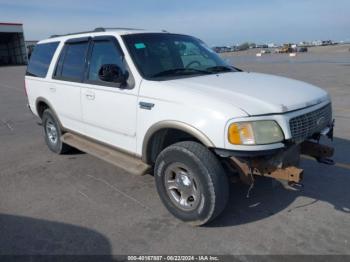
{"x":12,"y":46}
{"x":30,"y":47}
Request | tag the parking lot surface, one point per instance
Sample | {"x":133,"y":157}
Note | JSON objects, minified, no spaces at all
{"x":78,"y":204}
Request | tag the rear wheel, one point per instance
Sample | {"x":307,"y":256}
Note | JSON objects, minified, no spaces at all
{"x":191,"y":182}
{"x":53,"y":133}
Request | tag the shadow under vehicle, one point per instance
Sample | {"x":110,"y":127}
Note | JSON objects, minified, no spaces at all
{"x":321,"y":183}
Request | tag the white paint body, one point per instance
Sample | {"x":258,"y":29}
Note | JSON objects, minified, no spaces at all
{"x":207,"y":103}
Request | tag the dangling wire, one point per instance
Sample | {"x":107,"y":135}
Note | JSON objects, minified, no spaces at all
{"x":252,"y":179}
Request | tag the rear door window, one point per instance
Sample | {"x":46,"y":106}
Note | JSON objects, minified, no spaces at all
{"x":71,"y":65}
{"x":40,"y":60}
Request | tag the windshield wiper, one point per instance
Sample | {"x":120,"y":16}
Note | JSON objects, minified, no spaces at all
{"x":179,"y":71}
{"x":220,"y":68}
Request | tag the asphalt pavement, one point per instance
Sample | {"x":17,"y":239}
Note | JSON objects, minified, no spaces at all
{"x":78,"y":204}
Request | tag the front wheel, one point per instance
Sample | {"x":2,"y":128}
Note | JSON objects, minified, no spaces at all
{"x":191,"y":182}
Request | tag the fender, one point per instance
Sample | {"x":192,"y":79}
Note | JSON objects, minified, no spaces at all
{"x":174,"y":125}
{"x":41,"y":99}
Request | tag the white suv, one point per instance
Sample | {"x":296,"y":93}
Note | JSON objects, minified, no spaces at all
{"x":162,"y":103}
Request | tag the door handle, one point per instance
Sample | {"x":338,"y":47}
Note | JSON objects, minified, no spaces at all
{"x":90,"y":96}
{"x":146,"y":105}
{"x":52,"y":89}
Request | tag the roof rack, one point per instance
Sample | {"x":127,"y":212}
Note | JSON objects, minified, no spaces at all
{"x":104,"y":29}
{"x":97,"y":29}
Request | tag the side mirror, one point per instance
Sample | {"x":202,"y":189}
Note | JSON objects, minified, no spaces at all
{"x":112,"y":73}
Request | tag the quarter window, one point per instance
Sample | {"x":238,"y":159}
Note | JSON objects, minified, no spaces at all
{"x":41,"y":58}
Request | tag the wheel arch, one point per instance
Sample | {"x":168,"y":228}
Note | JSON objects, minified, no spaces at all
{"x":182,"y":127}
{"x":41,"y":104}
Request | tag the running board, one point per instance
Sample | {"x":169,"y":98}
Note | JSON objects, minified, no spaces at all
{"x":122,"y":160}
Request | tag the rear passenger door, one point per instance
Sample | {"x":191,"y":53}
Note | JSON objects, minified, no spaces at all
{"x":109,"y":111}
{"x":68,"y":78}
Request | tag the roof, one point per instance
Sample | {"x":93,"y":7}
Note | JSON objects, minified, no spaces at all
{"x":14,"y":24}
{"x":11,"y":27}
{"x":97,"y":32}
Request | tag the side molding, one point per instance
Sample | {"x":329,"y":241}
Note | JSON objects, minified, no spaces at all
{"x":175,"y":125}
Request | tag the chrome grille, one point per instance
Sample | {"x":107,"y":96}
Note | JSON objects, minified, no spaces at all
{"x":306,"y":125}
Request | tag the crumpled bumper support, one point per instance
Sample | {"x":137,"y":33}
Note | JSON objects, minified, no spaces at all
{"x":282,"y":166}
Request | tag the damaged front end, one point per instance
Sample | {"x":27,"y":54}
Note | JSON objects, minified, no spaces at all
{"x":282,"y":164}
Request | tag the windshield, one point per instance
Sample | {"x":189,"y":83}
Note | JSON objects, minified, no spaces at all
{"x":163,"y":55}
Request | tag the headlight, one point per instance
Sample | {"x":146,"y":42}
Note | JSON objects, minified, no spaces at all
{"x":255,"y":133}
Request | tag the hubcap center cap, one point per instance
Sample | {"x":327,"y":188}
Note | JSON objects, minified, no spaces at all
{"x":183,"y":181}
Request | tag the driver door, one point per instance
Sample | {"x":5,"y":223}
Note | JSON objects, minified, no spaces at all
{"x":108,"y":111}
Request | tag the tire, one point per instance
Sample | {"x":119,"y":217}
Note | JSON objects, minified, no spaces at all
{"x":191,"y":182}
{"x":53,"y":133}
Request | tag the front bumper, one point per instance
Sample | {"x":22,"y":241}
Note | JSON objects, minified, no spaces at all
{"x":282,"y":163}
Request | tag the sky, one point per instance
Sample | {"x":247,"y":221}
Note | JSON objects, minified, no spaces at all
{"x":220,"y":22}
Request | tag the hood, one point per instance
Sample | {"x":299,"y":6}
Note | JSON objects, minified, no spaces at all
{"x":255,"y":93}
